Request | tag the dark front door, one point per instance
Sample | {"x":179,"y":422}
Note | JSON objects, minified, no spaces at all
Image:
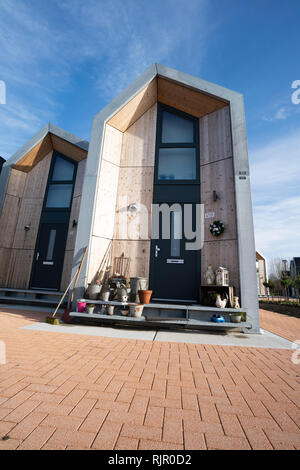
{"x":49,"y":256}
{"x":174,"y":268}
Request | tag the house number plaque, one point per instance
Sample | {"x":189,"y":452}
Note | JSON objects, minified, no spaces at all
{"x":175,"y":261}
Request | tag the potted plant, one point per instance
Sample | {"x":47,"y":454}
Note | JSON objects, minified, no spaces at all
{"x":236,"y":317}
{"x":210,"y":298}
{"x":90,"y":308}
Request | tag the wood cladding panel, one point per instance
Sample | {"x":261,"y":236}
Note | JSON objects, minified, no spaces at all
{"x":36,"y":180}
{"x":23,"y":205}
{"x":79,"y":178}
{"x":185,"y":99}
{"x":112,"y":145}
{"x":135,"y":186}
{"x":215,"y":136}
{"x":4,"y":265}
{"x":67,"y":270}
{"x":138,"y":252}
{"x":98,"y":248}
{"x":139,"y":141}
{"x":136,"y":107}
{"x":72,"y":231}
{"x":104,"y":219}
{"x":35,"y":155}
{"x":29,"y":214}
{"x":221,"y":253}
{"x":16,"y":183}
{"x":219,"y":176}
{"x":8,"y":220}
{"x":20,"y":269}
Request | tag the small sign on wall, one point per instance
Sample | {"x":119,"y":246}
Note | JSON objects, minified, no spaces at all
{"x":209,"y":215}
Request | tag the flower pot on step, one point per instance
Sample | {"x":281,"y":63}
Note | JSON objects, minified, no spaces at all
{"x":81,"y":304}
{"x":110,"y":310}
{"x":235,"y":318}
{"x":93,"y":291}
{"x":145,"y":296}
{"x":90,"y":309}
{"x":136,"y":310}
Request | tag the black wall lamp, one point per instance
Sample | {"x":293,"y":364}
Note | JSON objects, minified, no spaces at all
{"x":215,"y":196}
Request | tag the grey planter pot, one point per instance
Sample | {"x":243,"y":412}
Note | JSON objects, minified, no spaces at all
{"x":235,"y":318}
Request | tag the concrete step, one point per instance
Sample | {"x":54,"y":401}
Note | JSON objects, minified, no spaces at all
{"x":30,"y":297}
{"x":189,"y":312}
{"x":158,"y":322}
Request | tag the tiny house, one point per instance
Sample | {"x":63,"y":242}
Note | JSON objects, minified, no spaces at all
{"x":170,"y":142}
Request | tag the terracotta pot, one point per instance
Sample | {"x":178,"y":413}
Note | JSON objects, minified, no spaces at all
{"x":145,"y":296}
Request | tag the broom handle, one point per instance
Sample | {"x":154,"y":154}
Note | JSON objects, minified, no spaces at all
{"x":78,"y":274}
{"x":67,"y":289}
{"x":60,"y":302}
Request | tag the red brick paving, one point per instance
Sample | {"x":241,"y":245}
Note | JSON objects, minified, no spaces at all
{"x":62,"y":391}
{"x":282,"y":325}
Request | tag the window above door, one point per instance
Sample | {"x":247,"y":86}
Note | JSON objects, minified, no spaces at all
{"x":60,"y":183}
{"x":177,"y":149}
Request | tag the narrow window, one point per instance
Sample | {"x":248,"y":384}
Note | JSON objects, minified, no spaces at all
{"x":51,"y":244}
{"x":177,"y":146}
{"x":176,"y":233}
{"x":59,"y":196}
{"x":60,"y":185}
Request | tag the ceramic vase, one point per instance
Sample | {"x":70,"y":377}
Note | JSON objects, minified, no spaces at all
{"x":209,"y":275}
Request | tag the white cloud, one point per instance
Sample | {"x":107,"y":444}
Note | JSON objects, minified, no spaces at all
{"x":277,"y":228}
{"x":275,"y":166}
{"x":280,"y":114}
{"x":276,"y":196}
{"x":45,"y":45}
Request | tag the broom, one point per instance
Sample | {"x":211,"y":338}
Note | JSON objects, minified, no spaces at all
{"x":66,"y":317}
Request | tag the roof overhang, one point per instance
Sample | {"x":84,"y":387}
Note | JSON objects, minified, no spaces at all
{"x":259,"y":256}
{"x":49,"y":138}
{"x":163,"y":84}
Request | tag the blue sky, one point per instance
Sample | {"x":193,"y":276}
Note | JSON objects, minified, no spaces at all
{"x":63,"y":60}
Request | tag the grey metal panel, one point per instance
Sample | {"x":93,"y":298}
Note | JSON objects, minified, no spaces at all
{"x":73,"y":139}
{"x":245,"y":227}
{"x":196,"y":83}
